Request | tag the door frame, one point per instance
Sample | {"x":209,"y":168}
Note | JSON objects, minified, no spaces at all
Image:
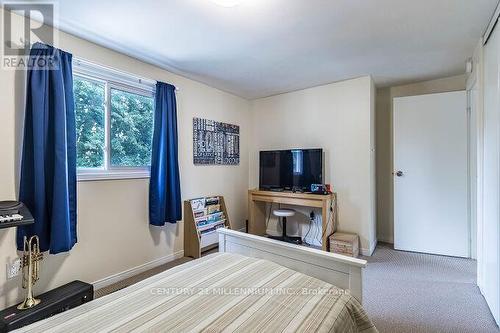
{"x":474,"y":136}
{"x":475,"y":81}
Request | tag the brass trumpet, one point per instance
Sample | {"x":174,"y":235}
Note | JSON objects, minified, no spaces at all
{"x":30,"y":263}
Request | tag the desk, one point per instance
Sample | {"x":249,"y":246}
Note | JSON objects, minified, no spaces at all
{"x":257,"y":209}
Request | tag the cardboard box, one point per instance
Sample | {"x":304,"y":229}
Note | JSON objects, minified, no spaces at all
{"x":345,"y":244}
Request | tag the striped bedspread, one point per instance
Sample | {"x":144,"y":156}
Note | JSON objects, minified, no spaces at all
{"x":221,"y":292}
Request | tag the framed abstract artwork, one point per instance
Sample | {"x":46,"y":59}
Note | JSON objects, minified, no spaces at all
{"x":215,"y":143}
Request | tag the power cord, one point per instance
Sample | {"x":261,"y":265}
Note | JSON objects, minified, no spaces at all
{"x":330,"y":221}
{"x":311,"y":219}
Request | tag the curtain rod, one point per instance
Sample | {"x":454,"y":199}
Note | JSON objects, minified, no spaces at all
{"x":80,"y":60}
{"x":140,"y":79}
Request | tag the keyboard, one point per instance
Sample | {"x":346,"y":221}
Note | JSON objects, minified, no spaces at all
{"x":13,"y":214}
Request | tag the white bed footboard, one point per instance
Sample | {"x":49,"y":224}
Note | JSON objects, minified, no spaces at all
{"x":341,"y":271}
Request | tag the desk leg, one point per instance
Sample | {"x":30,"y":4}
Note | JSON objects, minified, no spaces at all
{"x":325,"y":218}
{"x":329,"y":220}
{"x":256,"y":217}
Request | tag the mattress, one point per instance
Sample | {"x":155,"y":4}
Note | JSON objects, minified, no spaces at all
{"x":221,"y":292}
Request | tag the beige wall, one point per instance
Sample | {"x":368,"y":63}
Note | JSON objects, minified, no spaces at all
{"x":385,"y":216}
{"x":337,"y":117}
{"x":113,"y":229}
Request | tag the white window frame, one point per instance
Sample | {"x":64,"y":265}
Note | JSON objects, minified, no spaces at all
{"x":112,"y":79}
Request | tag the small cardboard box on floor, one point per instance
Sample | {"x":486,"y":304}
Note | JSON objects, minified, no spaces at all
{"x":345,"y":244}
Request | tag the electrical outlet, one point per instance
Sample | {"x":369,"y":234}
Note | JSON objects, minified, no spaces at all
{"x":14,"y":269}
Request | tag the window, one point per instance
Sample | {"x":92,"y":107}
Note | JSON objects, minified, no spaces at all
{"x":131,"y":129}
{"x":89,"y":111}
{"x":114,"y":123}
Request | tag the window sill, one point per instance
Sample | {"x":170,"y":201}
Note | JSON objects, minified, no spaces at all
{"x":111,"y":175}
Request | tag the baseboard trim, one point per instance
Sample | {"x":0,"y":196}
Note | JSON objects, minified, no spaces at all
{"x":107,"y":281}
{"x":369,"y":252}
{"x":388,"y":240}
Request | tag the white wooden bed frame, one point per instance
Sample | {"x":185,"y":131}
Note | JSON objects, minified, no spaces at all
{"x":341,"y":271}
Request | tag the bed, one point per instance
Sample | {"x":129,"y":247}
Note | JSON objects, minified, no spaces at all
{"x":253,"y":284}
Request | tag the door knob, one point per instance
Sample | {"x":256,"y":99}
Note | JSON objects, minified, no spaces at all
{"x":399,"y":173}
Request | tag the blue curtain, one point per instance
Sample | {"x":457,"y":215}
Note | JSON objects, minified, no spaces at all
{"x":48,"y":167}
{"x":164,"y":187}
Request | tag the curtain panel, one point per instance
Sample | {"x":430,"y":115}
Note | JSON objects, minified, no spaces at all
{"x":48,"y":167}
{"x":164,"y":187}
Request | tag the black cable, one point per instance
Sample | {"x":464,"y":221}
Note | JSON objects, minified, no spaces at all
{"x":330,"y":221}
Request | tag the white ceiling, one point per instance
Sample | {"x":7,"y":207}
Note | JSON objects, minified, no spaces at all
{"x":265,"y":47}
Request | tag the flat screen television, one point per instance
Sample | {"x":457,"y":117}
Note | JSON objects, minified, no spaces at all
{"x":293,"y":169}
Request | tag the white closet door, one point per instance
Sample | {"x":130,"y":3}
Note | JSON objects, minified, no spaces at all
{"x":430,"y":181}
{"x":489,"y":262}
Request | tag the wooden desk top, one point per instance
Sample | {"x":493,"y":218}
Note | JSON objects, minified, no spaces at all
{"x":290,"y":195}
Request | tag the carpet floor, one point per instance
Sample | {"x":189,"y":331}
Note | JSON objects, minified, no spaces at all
{"x":144,"y":275}
{"x":414,"y":292}
{"x":139,"y":277}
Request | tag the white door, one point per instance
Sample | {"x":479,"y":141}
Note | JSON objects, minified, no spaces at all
{"x":430,"y":174}
{"x":489,"y":261}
